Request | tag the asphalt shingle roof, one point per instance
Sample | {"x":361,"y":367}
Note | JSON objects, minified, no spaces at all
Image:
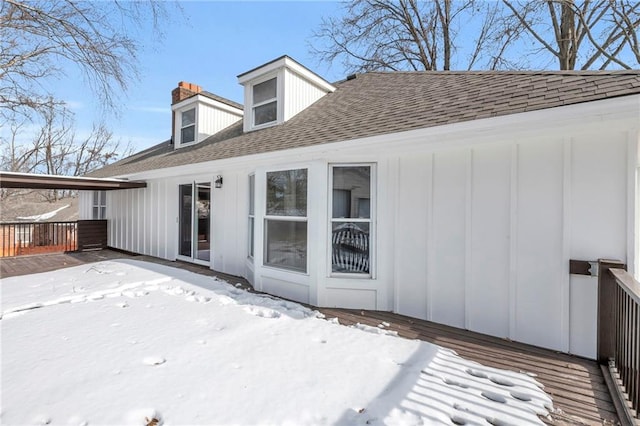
{"x":221,"y":99}
{"x":33,"y":204}
{"x":379,"y":103}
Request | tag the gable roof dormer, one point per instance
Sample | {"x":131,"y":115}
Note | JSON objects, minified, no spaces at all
{"x":278,"y":90}
{"x":198,"y":114}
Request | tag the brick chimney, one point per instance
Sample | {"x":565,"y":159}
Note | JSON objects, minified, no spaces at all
{"x":183,"y":91}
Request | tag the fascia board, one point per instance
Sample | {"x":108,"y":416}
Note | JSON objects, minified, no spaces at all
{"x":270,"y":67}
{"x":309,"y":76}
{"x":206,"y":101}
{"x":290,"y":64}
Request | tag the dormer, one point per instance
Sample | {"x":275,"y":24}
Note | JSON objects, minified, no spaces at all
{"x":278,"y":90}
{"x":198,"y":114}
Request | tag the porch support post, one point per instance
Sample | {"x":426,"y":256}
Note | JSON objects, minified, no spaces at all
{"x":606,"y":309}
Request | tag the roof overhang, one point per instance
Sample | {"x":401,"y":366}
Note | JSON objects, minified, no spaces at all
{"x":35,"y":181}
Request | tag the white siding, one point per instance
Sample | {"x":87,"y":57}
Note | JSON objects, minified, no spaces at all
{"x":211,"y":117}
{"x":298,"y":94}
{"x":539,"y":256}
{"x":489,"y":247}
{"x":472,"y":229}
{"x":493,"y":257}
{"x":211,"y":120}
{"x":85,"y":203}
{"x":596,"y":174}
{"x":138,"y":219}
{"x":413,"y":239}
{"x":449,"y":223}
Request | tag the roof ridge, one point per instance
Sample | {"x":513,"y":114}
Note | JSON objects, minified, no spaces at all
{"x":512,"y":72}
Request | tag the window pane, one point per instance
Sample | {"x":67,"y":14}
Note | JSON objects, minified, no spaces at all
{"x":103,"y":198}
{"x":341,"y":203}
{"x":350,"y":247}
{"x":103,"y":212}
{"x":364,"y":207}
{"x":351,"y":192}
{"x":96,"y":212}
{"x":286,"y":244}
{"x":252,"y":192}
{"x":287,"y":193}
{"x":185,"y":220}
{"x":264,"y":91}
{"x":265,"y":113}
{"x":251,"y":235}
{"x":96,"y":197}
{"x":188,"y":117}
{"x":188,"y":134}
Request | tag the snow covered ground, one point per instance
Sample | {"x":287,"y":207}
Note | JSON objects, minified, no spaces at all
{"x":129,"y":342}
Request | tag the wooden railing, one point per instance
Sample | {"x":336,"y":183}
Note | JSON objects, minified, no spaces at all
{"x":24,"y":238}
{"x":619,"y":335}
{"x":19,"y":238}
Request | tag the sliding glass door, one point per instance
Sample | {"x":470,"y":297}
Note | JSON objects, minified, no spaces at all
{"x":195,"y":219}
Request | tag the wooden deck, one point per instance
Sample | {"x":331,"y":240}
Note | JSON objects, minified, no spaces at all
{"x":577,"y":385}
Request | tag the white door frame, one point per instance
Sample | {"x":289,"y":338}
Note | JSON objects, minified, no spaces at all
{"x":194,"y":187}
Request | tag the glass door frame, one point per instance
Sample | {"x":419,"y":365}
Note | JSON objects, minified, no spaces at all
{"x":193,"y":216}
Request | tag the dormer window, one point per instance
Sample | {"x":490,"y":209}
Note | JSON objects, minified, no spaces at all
{"x":188,"y":129}
{"x":277,"y":91}
{"x":197,"y":114}
{"x":265,"y":102}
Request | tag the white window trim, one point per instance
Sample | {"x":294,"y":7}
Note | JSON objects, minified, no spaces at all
{"x":267,"y":217}
{"x":102,"y":207}
{"x":277,"y":99}
{"x":195,"y":124}
{"x":371,"y":220}
{"x":251,"y":220}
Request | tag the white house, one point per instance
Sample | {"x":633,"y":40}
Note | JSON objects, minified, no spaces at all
{"x":456,"y":197}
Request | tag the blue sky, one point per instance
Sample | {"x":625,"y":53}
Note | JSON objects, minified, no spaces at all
{"x":209,"y":45}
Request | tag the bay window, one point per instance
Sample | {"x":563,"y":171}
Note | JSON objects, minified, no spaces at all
{"x":351,"y":219}
{"x":285,"y":223}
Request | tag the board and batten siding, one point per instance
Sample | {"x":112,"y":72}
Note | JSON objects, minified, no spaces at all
{"x":144,"y":220}
{"x":299,"y":94}
{"x":474,"y":223}
{"x":485,"y":234}
{"x":211,"y":120}
{"x":85,"y":204}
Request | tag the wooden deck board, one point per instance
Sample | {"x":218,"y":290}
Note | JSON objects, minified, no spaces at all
{"x":577,"y":386}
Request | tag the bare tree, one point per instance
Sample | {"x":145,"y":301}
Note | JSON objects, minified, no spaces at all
{"x":590,"y":34}
{"x":410,"y":35}
{"x":468,"y":34}
{"x":56,"y":148}
{"x":39,"y":38}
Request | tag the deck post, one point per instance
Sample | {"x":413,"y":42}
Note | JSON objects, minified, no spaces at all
{"x":606,"y":305}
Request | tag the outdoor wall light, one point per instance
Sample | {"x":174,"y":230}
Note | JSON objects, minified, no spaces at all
{"x":218,"y":181}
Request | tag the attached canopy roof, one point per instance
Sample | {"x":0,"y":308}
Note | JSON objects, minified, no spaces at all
{"x":34,"y":181}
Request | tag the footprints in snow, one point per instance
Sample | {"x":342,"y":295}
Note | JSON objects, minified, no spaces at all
{"x":143,"y":417}
{"x":463,"y":415}
{"x":269,"y":307}
{"x":262,"y":312}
